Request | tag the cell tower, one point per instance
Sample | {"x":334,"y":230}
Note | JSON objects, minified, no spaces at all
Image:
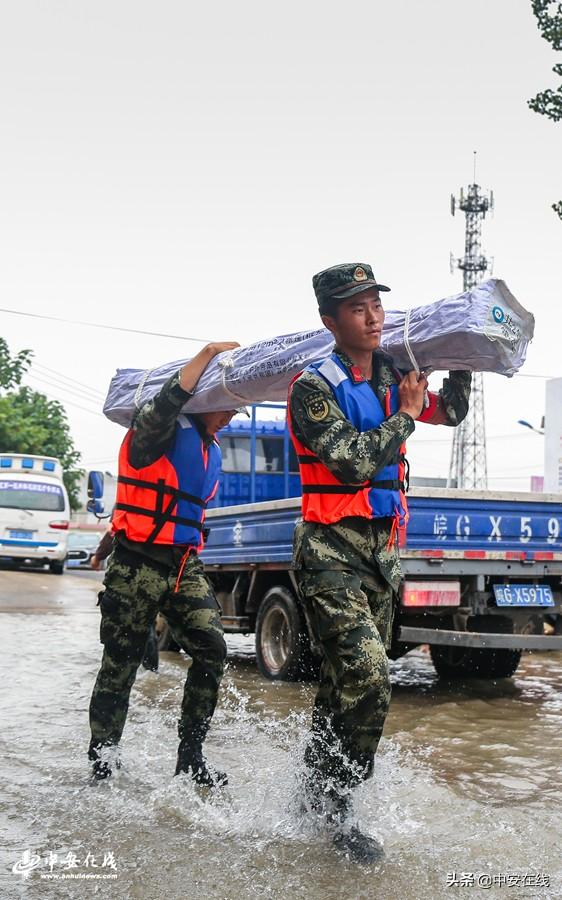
{"x":468,"y":468}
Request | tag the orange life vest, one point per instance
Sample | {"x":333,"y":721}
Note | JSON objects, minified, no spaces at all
{"x":325,"y":498}
{"x":165,"y":502}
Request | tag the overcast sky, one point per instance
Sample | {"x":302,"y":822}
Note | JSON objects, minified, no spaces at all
{"x":186,"y":168}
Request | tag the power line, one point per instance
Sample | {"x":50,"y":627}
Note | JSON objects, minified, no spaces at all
{"x":54,"y":381}
{"x":174,"y":337}
{"x":63,"y":388}
{"x":72,"y":403}
{"x":492,"y":437}
{"x":64,"y":377}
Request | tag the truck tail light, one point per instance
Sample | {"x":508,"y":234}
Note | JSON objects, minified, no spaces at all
{"x":62,"y":524}
{"x":431,"y":593}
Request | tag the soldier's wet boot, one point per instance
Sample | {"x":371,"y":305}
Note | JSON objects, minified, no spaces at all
{"x":150,"y":659}
{"x":347,"y":836}
{"x":104,"y":759}
{"x":327,"y":784}
{"x":191,"y":760}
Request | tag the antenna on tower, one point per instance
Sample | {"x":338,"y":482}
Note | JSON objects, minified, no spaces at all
{"x":468,"y":466}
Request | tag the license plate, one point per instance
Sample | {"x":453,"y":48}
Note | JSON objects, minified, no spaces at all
{"x":523,"y":595}
{"x":21,"y":535}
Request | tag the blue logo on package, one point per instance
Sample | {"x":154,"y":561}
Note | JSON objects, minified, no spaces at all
{"x":498,"y":314}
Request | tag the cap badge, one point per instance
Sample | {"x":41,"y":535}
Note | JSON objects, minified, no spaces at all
{"x":360,"y":274}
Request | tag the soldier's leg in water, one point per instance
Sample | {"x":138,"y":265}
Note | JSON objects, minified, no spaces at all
{"x":358,"y":693}
{"x":193,"y":614}
{"x":322,"y":742}
{"x":133,"y":588}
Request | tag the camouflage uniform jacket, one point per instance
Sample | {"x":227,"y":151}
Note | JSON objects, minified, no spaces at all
{"x":357,"y":543}
{"x":154,"y":429}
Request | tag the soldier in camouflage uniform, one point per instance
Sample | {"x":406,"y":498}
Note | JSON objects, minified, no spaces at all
{"x":348,"y":568}
{"x":144,"y":577}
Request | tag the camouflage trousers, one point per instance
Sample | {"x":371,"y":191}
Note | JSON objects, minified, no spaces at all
{"x":136,"y":588}
{"x":352,"y":624}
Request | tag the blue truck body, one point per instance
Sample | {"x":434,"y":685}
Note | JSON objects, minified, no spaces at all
{"x":464,"y":553}
{"x":460,"y":548}
{"x":442,"y":521}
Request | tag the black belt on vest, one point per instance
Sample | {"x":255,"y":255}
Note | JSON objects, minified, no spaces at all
{"x":161,"y":515}
{"x":381,"y":484}
{"x":161,"y":487}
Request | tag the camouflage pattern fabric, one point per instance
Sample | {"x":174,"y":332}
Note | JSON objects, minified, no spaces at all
{"x":349,"y":572}
{"x":136,"y":588}
{"x":352,"y":623}
{"x":354,"y":457}
{"x":154,"y":425}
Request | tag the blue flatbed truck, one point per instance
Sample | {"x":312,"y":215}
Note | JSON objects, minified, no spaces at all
{"x":482,"y":570}
{"x":482,"y":580}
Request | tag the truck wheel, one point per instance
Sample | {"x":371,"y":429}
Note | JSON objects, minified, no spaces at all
{"x":164,"y":635}
{"x":57,"y":567}
{"x":282,"y":644}
{"x":471,"y":662}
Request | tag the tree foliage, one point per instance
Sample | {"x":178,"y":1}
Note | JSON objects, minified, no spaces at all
{"x":549,"y":102}
{"x":31,"y":423}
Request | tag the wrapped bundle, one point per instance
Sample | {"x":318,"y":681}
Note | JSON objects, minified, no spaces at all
{"x":485,"y":330}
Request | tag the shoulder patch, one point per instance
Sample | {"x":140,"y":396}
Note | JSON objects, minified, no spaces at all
{"x":317,"y":407}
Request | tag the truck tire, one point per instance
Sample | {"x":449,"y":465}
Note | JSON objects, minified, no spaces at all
{"x":472,"y":662}
{"x":56,"y":567}
{"x":282,"y":644}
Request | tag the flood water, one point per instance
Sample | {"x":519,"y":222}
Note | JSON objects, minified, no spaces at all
{"x":466,"y":784}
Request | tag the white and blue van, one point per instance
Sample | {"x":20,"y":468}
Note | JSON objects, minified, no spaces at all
{"x":34,"y":511}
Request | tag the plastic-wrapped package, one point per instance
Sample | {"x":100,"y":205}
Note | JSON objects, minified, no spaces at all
{"x":485,"y":330}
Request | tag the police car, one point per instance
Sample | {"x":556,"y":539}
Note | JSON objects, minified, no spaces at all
{"x":34,"y":511}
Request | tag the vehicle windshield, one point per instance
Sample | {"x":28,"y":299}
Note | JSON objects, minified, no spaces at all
{"x":236,"y":454}
{"x":32,"y":495}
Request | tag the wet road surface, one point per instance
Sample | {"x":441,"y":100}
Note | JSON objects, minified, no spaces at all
{"x":466,"y":783}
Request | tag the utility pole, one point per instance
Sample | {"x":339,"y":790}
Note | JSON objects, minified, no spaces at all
{"x":468,"y":468}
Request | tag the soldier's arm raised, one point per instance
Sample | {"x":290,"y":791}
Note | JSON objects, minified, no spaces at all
{"x":154,"y":427}
{"x":350,"y":455}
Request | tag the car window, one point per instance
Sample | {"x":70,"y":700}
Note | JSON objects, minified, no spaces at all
{"x":31,"y":495}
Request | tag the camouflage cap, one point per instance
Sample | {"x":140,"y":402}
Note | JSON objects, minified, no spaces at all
{"x":343,"y":281}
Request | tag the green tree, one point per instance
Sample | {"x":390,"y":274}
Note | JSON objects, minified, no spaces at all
{"x":549,"y":102}
{"x":31,"y":423}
